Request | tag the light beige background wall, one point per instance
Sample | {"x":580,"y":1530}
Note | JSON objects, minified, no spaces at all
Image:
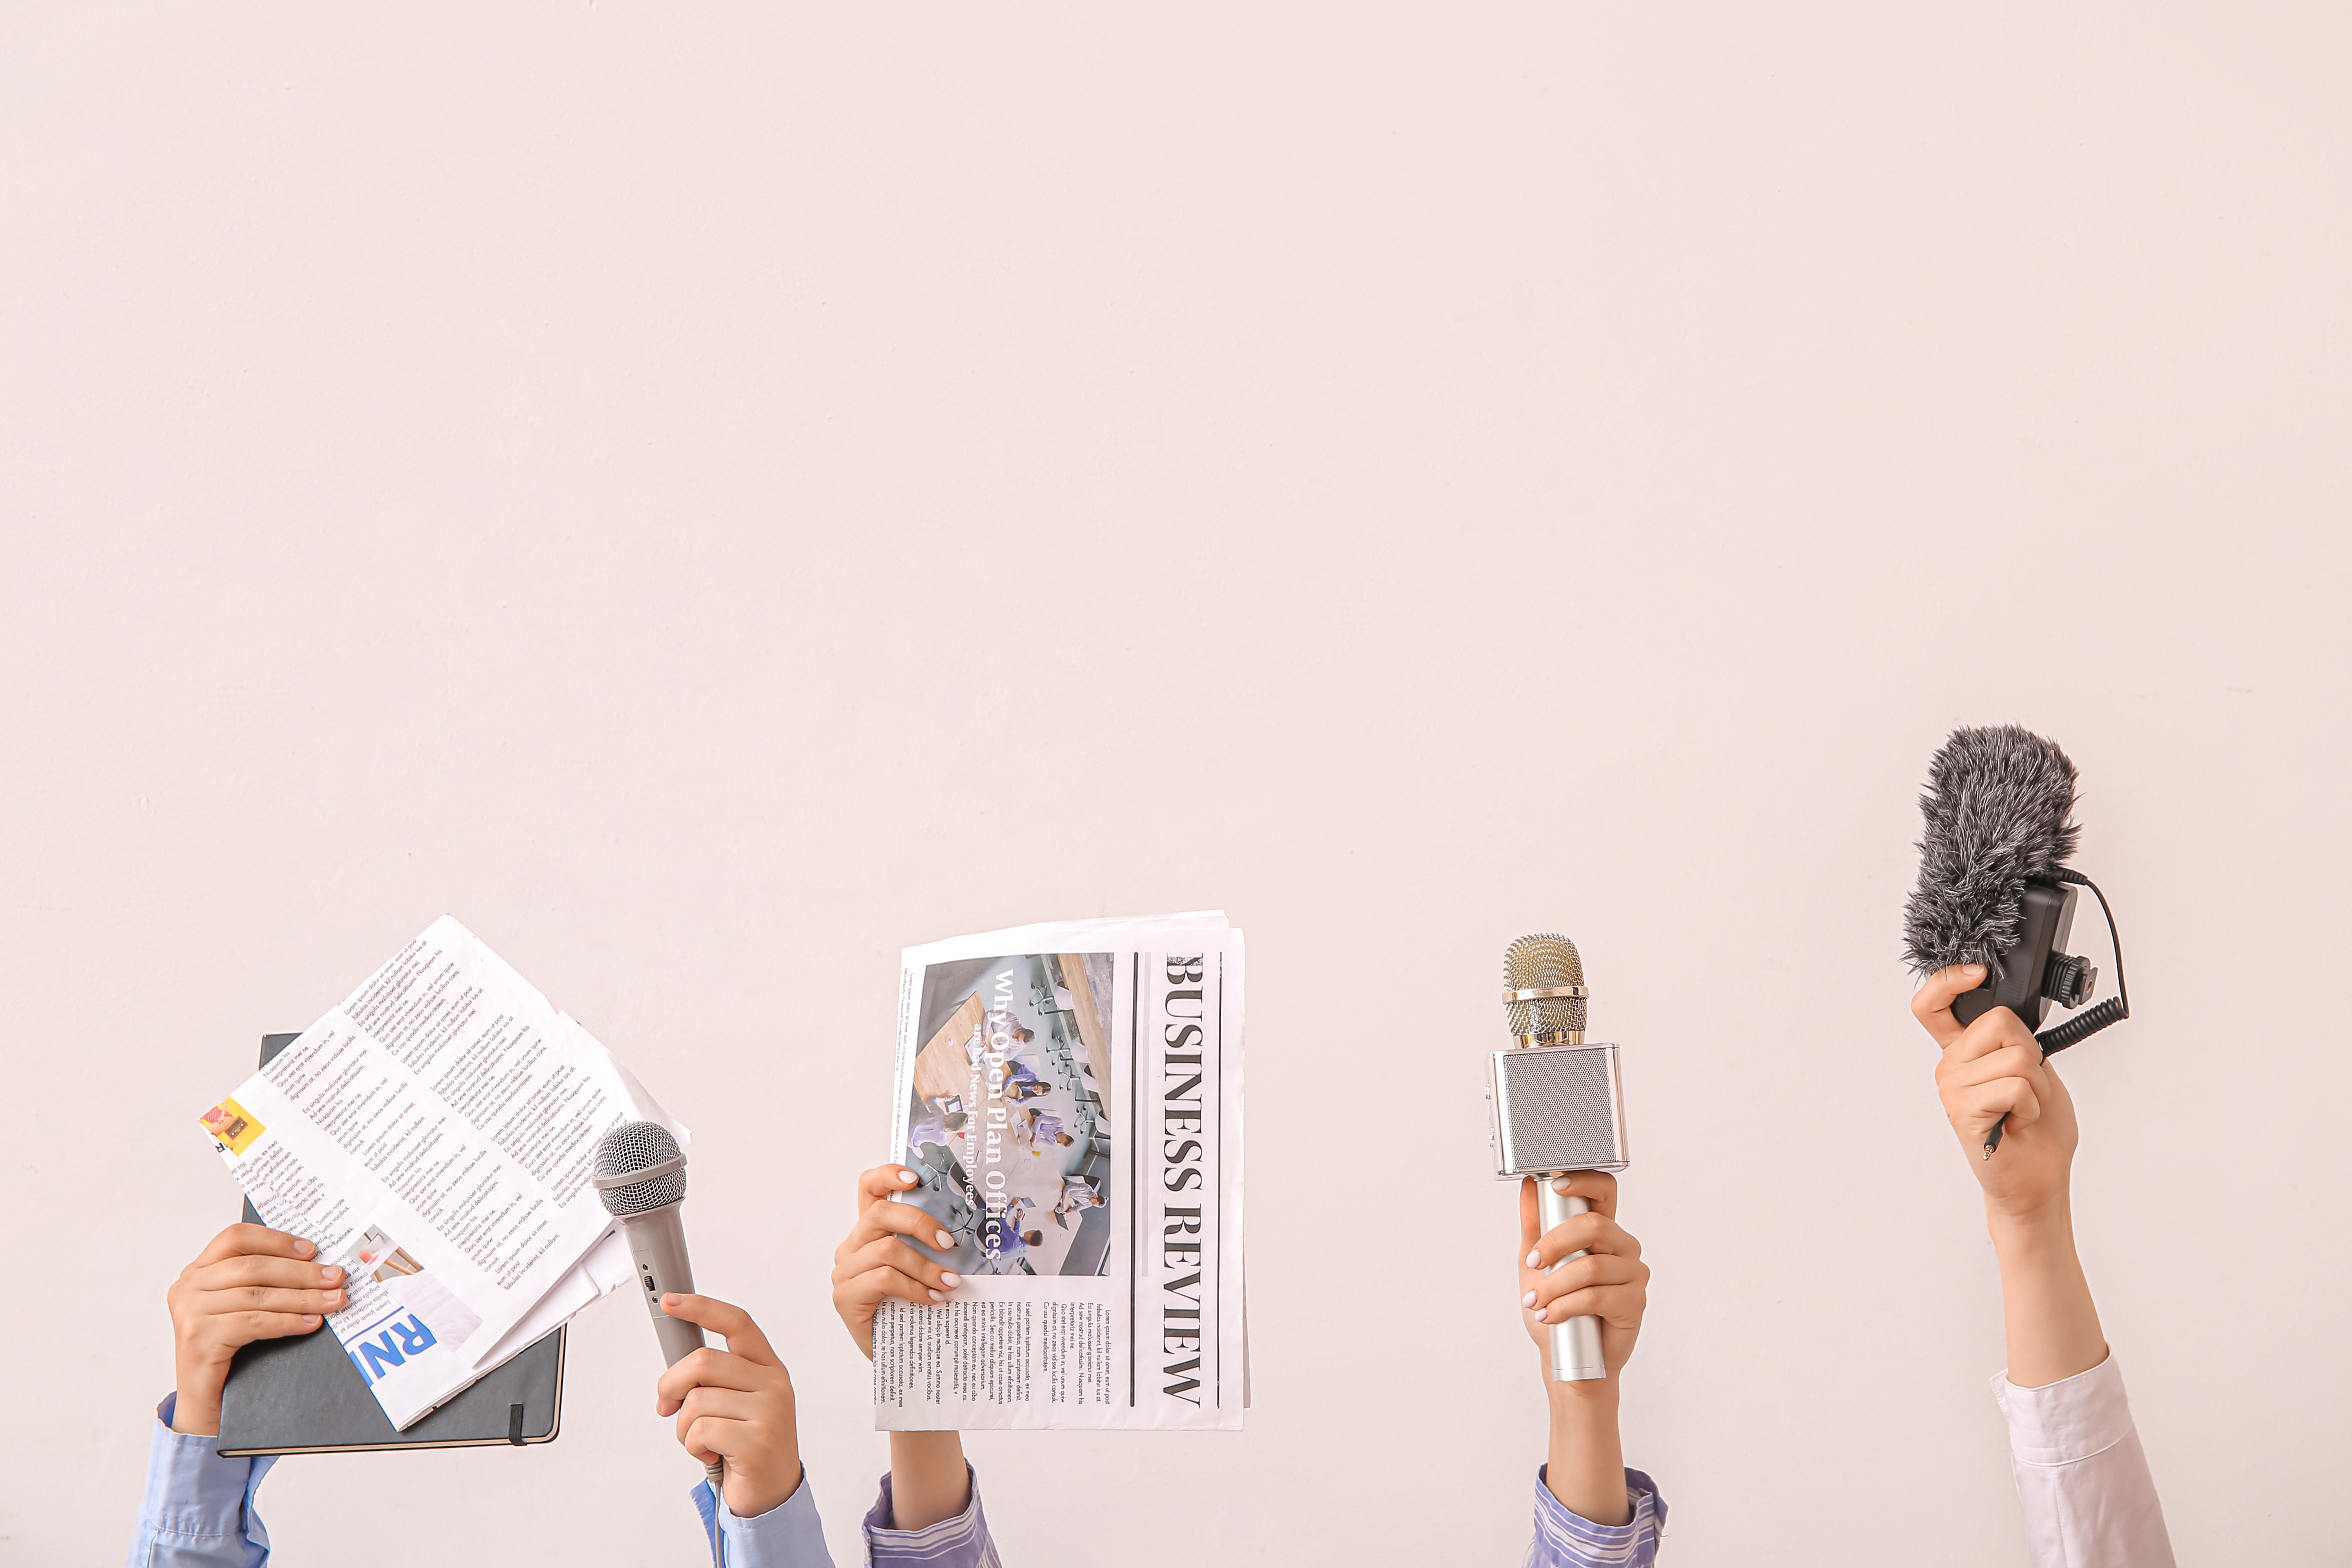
{"x":1408,"y":476}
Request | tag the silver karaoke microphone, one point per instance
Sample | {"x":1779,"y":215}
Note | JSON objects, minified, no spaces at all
{"x":641,"y":1176}
{"x":1554,"y":1105}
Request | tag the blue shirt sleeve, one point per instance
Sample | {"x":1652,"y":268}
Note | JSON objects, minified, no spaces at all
{"x":1567,"y":1540}
{"x":787,"y":1535}
{"x":960,"y":1542}
{"x":199,"y":1508}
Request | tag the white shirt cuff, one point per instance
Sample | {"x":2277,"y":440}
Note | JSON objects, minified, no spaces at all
{"x":2068,"y":1420}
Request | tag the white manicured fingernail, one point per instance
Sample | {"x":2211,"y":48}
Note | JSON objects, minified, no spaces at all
{"x":950,"y":1279}
{"x":1534,"y":1259}
{"x":906,"y":1178}
{"x":942,"y":1239}
{"x":937,"y":1296}
{"x":1540,"y":1311}
{"x":1528,"y":1299}
{"x":1562,"y":1186}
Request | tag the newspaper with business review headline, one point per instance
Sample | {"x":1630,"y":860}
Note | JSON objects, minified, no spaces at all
{"x":435,"y":1135}
{"x":1069,"y":1096}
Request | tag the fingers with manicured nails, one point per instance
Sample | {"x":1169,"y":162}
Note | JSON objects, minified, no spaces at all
{"x":1594,"y":1232}
{"x":880,"y":1182}
{"x":891,"y":1284}
{"x":1578,"y":1274}
{"x":898,"y":1255}
{"x":1619,"y":1306}
{"x":1932,"y":1003}
{"x":910,"y":1220}
{"x":260,"y":1240}
{"x":1597,"y":1187}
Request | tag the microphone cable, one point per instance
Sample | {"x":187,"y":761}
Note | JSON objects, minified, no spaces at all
{"x":2114,"y":1009}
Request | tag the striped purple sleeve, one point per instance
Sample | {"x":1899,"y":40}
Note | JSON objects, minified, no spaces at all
{"x":1566,"y":1539}
{"x":959,"y":1542}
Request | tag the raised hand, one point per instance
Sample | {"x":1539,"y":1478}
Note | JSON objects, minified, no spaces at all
{"x":1586,"y":1468}
{"x":248,"y":1283}
{"x":1611,"y":1282}
{"x":874,"y":1262}
{"x":1990,"y":1069}
{"x":735,"y":1403}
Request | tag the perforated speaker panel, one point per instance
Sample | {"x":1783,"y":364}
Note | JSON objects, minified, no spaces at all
{"x":1558,"y":1111}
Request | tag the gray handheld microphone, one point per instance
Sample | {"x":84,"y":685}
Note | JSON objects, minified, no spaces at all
{"x":641,"y":1176}
{"x":1555,"y":1105}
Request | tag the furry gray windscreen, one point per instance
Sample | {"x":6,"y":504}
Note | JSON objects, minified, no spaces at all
{"x":1999,"y":809}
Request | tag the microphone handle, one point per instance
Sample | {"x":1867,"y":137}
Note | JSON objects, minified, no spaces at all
{"x":1576,"y":1343}
{"x":658,"y":1242}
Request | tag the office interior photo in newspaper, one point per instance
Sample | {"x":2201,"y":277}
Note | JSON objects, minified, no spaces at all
{"x":1069,"y":1097}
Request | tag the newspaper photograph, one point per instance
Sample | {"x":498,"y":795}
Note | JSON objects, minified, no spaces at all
{"x":1069,"y":1099}
{"x":435,"y":1135}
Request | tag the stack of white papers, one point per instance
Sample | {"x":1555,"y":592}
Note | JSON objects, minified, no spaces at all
{"x":435,"y":1135}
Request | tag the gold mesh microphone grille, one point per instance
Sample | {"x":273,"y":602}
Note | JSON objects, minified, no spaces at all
{"x":1539,"y":962}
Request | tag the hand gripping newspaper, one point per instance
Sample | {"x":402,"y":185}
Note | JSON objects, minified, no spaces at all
{"x":435,"y":1135}
{"x":1069,"y":1096}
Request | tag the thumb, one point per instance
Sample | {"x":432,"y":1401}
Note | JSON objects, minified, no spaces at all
{"x":1932,"y":1003}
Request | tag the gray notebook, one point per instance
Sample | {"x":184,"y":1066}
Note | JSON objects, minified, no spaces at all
{"x":302,"y":1396}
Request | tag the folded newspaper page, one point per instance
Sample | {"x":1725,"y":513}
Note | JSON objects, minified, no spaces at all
{"x":435,"y":1135}
{"x":1070,"y":1096}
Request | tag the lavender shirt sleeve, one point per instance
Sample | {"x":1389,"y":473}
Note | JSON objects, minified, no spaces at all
{"x":2082,"y":1474}
{"x":1567,"y":1540}
{"x":959,"y":1542}
{"x":199,"y":1511}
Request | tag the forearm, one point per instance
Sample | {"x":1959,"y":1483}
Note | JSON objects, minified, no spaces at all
{"x":1587,"y":1468}
{"x":2046,"y":1309}
{"x":929,"y":1481}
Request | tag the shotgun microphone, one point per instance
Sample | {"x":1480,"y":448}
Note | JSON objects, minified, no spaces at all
{"x":1997,"y":821}
{"x":641,"y":1176}
{"x":1554,"y":1105}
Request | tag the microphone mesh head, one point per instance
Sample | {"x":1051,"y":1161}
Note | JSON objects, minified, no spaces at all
{"x":1998,"y":811}
{"x":635,"y":1146}
{"x":1537,"y":963}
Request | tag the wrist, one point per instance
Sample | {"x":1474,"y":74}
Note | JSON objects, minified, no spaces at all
{"x":1586,"y":1464}
{"x":196,"y":1386}
{"x":767,"y":1499}
{"x":196,"y":1415}
{"x":2031,"y":1227}
{"x":1592,"y":1403}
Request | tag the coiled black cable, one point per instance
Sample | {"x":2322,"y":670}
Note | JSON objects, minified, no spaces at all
{"x":2113,"y":1010}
